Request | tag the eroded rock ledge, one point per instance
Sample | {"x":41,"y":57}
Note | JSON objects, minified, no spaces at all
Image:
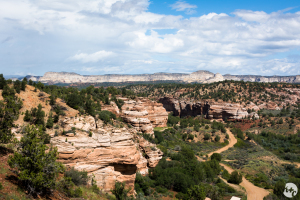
{"x":218,"y":110}
{"x":110,"y":154}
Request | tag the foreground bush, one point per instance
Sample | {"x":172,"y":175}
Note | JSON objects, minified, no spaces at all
{"x":119,"y":191}
{"x":68,"y":188}
{"x":216,"y":156}
{"x":77,"y":177}
{"x":37,"y":169}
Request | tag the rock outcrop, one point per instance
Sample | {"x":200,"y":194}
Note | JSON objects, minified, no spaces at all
{"x":200,"y":76}
{"x":144,"y":114}
{"x":218,"y":110}
{"x":110,"y":154}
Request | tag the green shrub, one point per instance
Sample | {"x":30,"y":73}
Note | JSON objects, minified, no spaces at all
{"x":68,"y":187}
{"x":279,"y":188}
{"x":1,"y":187}
{"x":142,"y":184}
{"x":119,"y":191}
{"x":217,"y":138}
{"x":191,"y":137}
{"x":235,"y":178}
{"x":196,"y":192}
{"x":77,"y":177}
{"x":206,"y":127}
{"x":216,"y":156}
{"x":207,"y":136}
{"x":225,"y":175}
{"x":106,"y":116}
{"x":196,"y":128}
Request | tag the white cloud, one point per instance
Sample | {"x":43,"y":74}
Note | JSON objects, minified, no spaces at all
{"x":183,"y":6}
{"x":35,"y":33}
{"x":94,"y":57}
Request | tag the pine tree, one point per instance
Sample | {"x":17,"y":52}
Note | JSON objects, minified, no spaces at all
{"x":23,"y":84}
{"x":2,"y":82}
{"x":50,"y":121}
{"x":27,"y":116}
{"x":17,"y":86}
{"x":37,"y":169}
{"x":40,"y":114}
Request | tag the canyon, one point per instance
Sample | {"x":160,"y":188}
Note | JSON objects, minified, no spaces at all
{"x":200,"y":76}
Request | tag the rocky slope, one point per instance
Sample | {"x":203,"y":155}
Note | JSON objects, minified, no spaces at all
{"x":105,"y":151}
{"x":198,"y":76}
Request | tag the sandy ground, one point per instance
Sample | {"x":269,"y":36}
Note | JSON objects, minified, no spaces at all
{"x":253,"y":192}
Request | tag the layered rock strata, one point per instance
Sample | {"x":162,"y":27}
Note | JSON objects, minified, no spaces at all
{"x":218,"y":110}
{"x":144,"y":114}
{"x":110,"y":154}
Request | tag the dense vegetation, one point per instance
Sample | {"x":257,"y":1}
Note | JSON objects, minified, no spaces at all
{"x":286,"y":147}
{"x":9,"y":108}
{"x":228,"y":90}
{"x":179,"y":170}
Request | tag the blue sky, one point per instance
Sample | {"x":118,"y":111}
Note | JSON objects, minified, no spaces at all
{"x":141,"y":36}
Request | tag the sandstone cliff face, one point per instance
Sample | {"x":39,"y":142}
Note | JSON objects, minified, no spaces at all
{"x":144,"y":114}
{"x":110,"y":154}
{"x":200,"y":76}
{"x":218,"y":110}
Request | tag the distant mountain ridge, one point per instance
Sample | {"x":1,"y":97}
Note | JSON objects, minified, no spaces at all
{"x":200,"y":76}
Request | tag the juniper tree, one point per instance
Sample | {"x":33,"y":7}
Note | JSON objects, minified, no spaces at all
{"x":50,"y":121}
{"x":35,"y":163}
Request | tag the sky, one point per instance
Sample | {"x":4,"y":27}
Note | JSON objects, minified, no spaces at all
{"x":95,"y":37}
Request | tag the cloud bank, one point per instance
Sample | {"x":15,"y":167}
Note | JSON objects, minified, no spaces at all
{"x":118,"y":36}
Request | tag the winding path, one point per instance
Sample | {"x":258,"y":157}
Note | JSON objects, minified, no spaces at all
{"x":253,"y":192}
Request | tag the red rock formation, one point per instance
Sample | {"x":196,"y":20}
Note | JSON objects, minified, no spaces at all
{"x":144,"y":114}
{"x":110,"y":154}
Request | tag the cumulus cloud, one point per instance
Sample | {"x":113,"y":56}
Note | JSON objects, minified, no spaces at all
{"x":183,"y":6}
{"x":94,"y":57}
{"x":112,"y":36}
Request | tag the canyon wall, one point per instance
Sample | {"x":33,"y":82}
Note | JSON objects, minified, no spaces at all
{"x":200,"y":76}
{"x":217,"y":110}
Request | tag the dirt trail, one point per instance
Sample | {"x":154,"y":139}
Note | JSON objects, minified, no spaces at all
{"x":253,"y":192}
{"x":232,"y":141}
